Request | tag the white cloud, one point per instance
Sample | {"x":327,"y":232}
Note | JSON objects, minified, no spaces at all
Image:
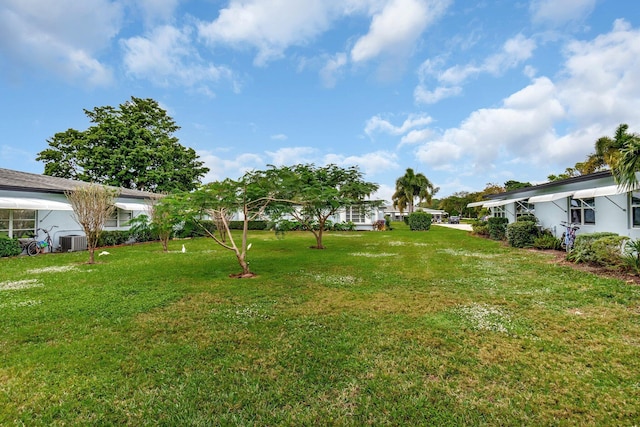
{"x":292,"y":155}
{"x":397,"y":27}
{"x":154,"y":11}
{"x":332,"y":69}
{"x":556,"y":13}
{"x":369,"y":164}
{"x":596,"y":89}
{"x":523,"y":123}
{"x":166,"y":57}
{"x":270,"y":26}
{"x":279,"y":137}
{"x":413,"y":121}
{"x":235,"y":168}
{"x":449,"y":81}
{"x":61,"y":38}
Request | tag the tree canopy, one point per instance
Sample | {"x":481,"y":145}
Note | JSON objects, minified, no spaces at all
{"x":132,"y":146}
{"x":316,"y":193}
{"x":411,"y":186}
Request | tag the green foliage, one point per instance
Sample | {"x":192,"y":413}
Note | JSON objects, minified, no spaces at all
{"x":132,"y":146}
{"x":481,"y":228}
{"x":522,"y":234}
{"x":497,"y":228}
{"x":420,"y":221}
{"x":547,"y":241}
{"x":411,"y":186}
{"x":252,"y":225}
{"x":602,"y":249}
{"x":515,"y":185}
{"x":632,"y":255}
{"x":9,"y":247}
{"x":527,"y":217}
{"x":113,"y":238}
{"x":316,"y":193}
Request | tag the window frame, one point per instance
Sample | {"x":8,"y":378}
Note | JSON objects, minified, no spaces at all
{"x":356,"y":212}
{"x":119,"y":218}
{"x":498,"y":211}
{"x":581,"y":209}
{"x":11,"y":220}
{"x":634,"y":206}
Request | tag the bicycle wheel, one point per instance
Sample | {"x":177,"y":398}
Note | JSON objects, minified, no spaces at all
{"x":32,"y":249}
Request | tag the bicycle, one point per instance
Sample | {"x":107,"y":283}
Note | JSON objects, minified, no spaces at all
{"x":35,"y":247}
{"x":569,"y":236}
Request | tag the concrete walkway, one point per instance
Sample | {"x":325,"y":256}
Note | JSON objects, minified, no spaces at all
{"x":465,"y":227}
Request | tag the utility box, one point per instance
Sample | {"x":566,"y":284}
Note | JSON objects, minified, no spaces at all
{"x":73,"y":243}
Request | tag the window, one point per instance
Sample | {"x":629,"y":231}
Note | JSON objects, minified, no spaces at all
{"x":17,"y":223}
{"x":355,"y":214}
{"x":635,"y":208}
{"x":524,"y":208}
{"x":583,"y":211}
{"x":118,"y":218}
{"x":498,"y":212}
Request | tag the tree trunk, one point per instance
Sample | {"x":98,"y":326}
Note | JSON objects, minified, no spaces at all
{"x":165,"y":244}
{"x":92,"y":258}
{"x":318,"y":235}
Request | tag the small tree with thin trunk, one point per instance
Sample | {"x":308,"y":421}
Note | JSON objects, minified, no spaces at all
{"x":251,"y":196}
{"x":92,"y":206}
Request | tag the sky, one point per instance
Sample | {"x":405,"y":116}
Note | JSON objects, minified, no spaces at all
{"x":467,"y":92}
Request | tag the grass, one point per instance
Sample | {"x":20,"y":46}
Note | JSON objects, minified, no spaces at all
{"x":381,"y":328}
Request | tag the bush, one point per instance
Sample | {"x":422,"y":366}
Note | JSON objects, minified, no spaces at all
{"x":521,"y":234}
{"x":632,"y":255}
{"x":9,"y":247}
{"x":527,"y":217}
{"x":419,"y":221}
{"x":252,"y":225}
{"x":480,"y":228}
{"x":113,"y":238}
{"x":497,"y":228}
{"x":547,"y":241}
{"x":601,"y":249}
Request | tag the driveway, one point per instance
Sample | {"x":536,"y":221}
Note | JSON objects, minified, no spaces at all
{"x":465,"y":227}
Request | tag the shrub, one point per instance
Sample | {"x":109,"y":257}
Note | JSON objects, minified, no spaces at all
{"x":9,"y":247}
{"x":601,"y":249}
{"x":113,"y":238}
{"x":252,"y":225}
{"x":497,"y":228}
{"x":527,"y":217}
{"x":521,"y":234}
{"x":480,"y":228}
{"x":419,"y":221}
{"x":632,"y":255}
{"x":547,"y":241}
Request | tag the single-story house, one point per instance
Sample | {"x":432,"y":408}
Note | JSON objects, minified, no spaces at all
{"x":395,"y":214}
{"x":594,"y":202}
{"x":29,"y":202}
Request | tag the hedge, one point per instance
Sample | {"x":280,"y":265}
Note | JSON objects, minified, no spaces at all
{"x":602,"y":249}
{"x":9,"y":247}
{"x":420,"y":221}
{"x":522,"y":234}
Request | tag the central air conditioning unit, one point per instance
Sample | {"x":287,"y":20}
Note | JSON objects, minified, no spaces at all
{"x":73,"y":243}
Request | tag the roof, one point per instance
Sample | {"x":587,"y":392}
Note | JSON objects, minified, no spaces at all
{"x":31,"y":182}
{"x":551,"y":184}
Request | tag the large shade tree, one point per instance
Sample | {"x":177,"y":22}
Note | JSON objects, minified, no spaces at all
{"x":131,"y":146}
{"x":316,"y":193}
{"x":412,"y":186}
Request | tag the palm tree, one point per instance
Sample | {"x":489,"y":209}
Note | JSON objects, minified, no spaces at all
{"x":408,"y":187}
{"x":626,"y":159}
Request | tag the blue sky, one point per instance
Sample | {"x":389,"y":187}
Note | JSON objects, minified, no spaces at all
{"x":466,"y":92}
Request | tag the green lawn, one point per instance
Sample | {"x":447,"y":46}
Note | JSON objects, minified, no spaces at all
{"x":382,"y":328}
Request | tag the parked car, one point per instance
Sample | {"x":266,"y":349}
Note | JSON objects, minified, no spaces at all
{"x":454,"y":220}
